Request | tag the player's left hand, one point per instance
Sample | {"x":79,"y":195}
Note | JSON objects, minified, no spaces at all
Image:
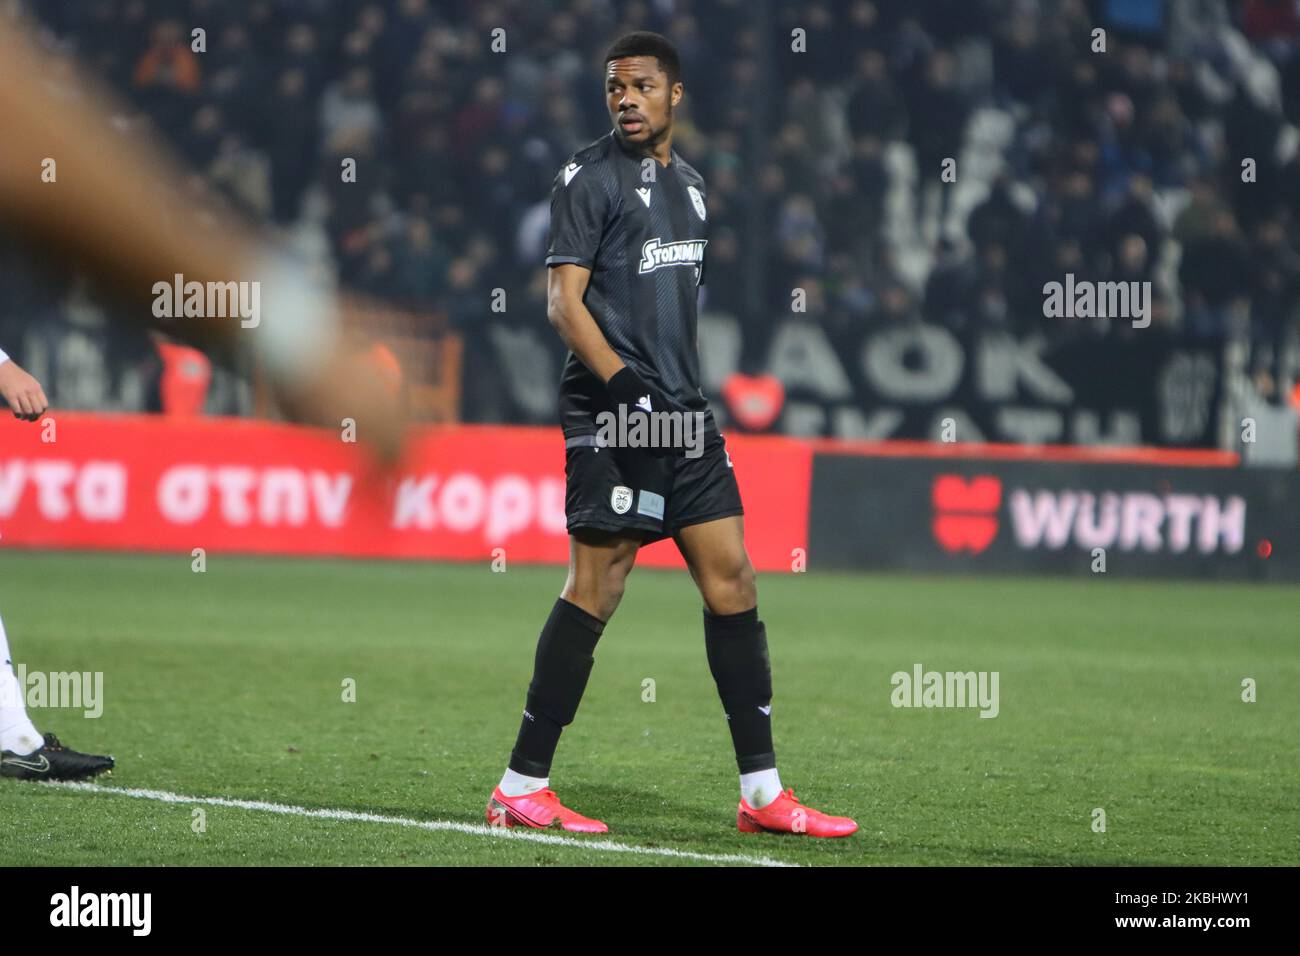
{"x":21,"y":392}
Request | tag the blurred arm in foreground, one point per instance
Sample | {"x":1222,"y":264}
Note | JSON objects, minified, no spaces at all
{"x":121,"y":211}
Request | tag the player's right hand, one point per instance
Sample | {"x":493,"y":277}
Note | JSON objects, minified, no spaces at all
{"x":630,"y":390}
{"x":22,"y":393}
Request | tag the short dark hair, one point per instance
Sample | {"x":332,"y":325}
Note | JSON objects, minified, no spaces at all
{"x":645,"y":43}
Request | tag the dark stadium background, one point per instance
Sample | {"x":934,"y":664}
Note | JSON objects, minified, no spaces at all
{"x":823,"y":172}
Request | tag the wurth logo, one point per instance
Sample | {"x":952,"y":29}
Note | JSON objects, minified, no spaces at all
{"x":965,"y":512}
{"x":1128,"y":520}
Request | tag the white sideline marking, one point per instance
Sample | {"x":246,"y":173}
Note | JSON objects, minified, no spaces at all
{"x":473,"y":829}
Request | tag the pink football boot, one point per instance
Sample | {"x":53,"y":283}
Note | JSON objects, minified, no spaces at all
{"x":541,"y":810}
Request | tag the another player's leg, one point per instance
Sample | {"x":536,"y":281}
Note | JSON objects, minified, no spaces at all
{"x":599,"y":563}
{"x":24,"y":754}
{"x":736,"y":643}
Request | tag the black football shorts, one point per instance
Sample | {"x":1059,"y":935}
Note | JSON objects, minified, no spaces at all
{"x":619,"y":489}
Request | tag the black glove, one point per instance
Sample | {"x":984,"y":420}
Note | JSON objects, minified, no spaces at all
{"x":635,"y":394}
{"x":628,"y":388}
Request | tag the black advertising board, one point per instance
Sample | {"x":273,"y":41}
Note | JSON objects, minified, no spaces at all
{"x":1012,"y":516}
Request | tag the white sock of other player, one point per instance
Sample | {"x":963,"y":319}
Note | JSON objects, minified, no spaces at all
{"x":517,"y":784}
{"x":17,"y":735}
{"x":760,"y":788}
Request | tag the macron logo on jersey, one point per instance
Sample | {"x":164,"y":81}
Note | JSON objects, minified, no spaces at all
{"x":686,"y":252}
{"x":570,"y":171}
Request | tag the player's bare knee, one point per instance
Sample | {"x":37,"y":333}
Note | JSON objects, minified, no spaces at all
{"x":595,"y":600}
{"x":611,"y":596}
{"x":614,"y":581}
{"x":747,"y":586}
{"x":730,"y":590}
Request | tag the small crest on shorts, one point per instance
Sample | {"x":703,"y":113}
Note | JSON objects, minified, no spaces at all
{"x":621,"y":499}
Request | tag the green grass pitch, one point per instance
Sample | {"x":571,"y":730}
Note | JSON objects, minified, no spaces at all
{"x":1118,"y":694}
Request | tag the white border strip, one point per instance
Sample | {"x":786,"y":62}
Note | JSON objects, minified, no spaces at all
{"x":351,"y":816}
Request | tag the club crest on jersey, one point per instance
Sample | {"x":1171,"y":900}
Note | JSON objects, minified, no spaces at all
{"x":621,"y":499}
{"x":697,"y":200}
{"x":685,"y":252}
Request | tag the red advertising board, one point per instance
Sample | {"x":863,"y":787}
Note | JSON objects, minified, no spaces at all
{"x":161,"y":484}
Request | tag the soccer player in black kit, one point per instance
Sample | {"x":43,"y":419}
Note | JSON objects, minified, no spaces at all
{"x":628,"y":234}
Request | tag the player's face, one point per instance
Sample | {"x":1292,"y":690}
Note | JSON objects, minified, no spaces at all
{"x":640,"y":99}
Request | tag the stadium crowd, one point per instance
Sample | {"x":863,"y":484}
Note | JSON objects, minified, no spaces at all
{"x":823,"y":162}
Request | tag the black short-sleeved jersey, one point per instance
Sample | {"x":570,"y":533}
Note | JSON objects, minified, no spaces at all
{"x":640,"y":228}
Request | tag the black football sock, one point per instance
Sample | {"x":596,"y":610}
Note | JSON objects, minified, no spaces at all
{"x":737,"y":650}
{"x":560,"y":671}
